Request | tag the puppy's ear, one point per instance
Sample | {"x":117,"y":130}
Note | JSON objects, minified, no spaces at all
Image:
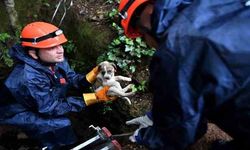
{"x":100,"y":64}
{"x":99,"y":77}
{"x":114,"y":66}
{"x":103,"y":62}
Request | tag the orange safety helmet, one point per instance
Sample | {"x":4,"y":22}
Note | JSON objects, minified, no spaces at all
{"x":41,"y":35}
{"x":126,"y":11}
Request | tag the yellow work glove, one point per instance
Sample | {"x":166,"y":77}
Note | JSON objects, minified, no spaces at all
{"x":99,"y":96}
{"x":91,"y":76}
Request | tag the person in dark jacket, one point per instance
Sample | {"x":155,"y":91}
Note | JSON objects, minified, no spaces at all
{"x":200,"y":70}
{"x":34,"y":94}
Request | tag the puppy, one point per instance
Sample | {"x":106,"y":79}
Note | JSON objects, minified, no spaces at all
{"x":107,"y":78}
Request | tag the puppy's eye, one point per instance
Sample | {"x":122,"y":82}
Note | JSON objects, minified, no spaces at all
{"x":109,"y":71}
{"x":103,"y":72}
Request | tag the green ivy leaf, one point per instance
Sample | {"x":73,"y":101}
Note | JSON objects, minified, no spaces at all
{"x":129,"y":42}
{"x":111,"y":56}
{"x":132,"y":68}
{"x":122,"y":38}
{"x":138,"y":40}
{"x":117,"y":42}
{"x":4,"y":37}
{"x":128,"y":48}
{"x":143,"y":44}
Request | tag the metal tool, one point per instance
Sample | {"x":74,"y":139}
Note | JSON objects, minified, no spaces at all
{"x":102,"y":141}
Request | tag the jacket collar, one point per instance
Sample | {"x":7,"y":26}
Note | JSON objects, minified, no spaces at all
{"x":18,"y":53}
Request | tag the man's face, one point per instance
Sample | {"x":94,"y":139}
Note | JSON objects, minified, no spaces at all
{"x":52,"y":55}
{"x":145,"y":21}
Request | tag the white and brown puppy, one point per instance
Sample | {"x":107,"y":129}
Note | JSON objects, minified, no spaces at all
{"x":107,"y":78}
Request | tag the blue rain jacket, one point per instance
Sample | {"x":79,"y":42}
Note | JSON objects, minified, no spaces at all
{"x":35,"y":98}
{"x":200,"y":71}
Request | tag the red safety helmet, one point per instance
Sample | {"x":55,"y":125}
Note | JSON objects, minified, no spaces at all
{"x":41,"y":35}
{"x":126,"y":11}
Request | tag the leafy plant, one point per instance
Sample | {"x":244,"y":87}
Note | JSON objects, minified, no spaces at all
{"x":70,"y":49}
{"x":4,"y":56}
{"x":141,"y":87}
{"x":46,"y":3}
{"x":4,"y":37}
{"x":112,"y":1}
{"x":106,"y":107}
{"x":126,"y":52}
{"x":113,"y":13}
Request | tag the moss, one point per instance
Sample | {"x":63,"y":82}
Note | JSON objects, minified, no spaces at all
{"x":90,"y":41}
{"x":4,"y":19}
{"x":28,"y":10}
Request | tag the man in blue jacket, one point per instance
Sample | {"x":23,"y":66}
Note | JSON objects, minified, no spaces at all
{"x":34,"y":95}
{"x":200,"y":70}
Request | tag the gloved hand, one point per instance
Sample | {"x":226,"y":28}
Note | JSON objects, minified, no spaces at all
{"x":143,"y":122}
{"x":91,"y":76}
{"x":99,"y":96}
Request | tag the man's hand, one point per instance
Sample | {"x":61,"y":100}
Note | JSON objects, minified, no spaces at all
{"x":99,"y":96}
{"x":143,"y":122}
{"x":91,"y":76}
{"x":102,"y":94}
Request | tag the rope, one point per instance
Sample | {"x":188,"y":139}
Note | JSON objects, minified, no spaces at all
{"x":65,"y":8}
{"x":123,"y":134}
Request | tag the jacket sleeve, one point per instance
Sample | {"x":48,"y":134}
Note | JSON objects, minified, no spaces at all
{"x":38,"y":95}
{"x":164,"y":13}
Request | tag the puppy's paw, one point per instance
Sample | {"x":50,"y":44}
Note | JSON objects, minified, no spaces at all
{"x":130,"y":86}
{"x":127,"y":79}
{"x":132,"y":93}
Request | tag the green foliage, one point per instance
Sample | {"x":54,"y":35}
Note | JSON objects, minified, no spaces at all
{"x":141,"y":87}
{"x":4,"y":37}
{"x":112,"y":1}
{"x":4,"y":56}
{"x":46,"y":3}
{"x":17,"y":33}
{"x":70,"y":50}
{"x":126,"y":52}
{"x":106,"y":107}
{"x":113,"y":13}
{"x":69,"y":47}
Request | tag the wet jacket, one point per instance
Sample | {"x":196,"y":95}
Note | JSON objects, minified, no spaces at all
{"x":200,"y":71}
{"x":35,"y":98}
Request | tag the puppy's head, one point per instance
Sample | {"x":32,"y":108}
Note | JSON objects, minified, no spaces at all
{"x":107,"y":71}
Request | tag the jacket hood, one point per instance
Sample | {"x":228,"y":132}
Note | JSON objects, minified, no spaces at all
{"x":164,"y":13}
{"x":18,"y":53}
